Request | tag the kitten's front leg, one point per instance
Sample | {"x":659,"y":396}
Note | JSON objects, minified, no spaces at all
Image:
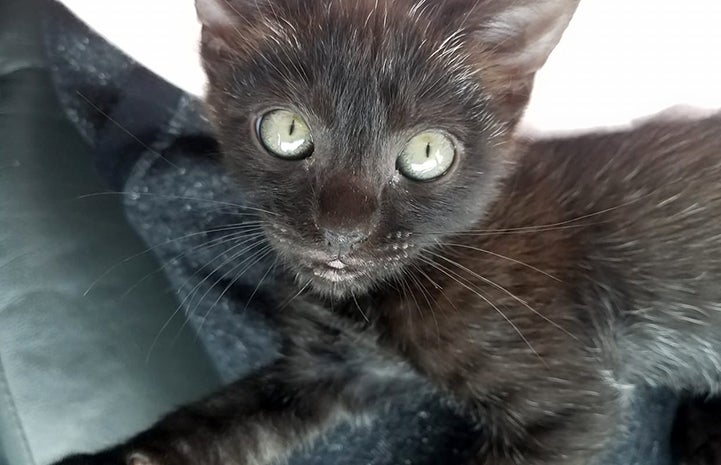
{"x":327,"y":375}
{"x":256,"y":421}
{"x":565,"y":431}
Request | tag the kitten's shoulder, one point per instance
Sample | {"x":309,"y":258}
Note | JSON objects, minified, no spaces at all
{"x":677,"y":142}
{"x":677,"y":123}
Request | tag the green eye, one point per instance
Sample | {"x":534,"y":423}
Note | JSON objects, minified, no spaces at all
{"x":427,"y":156}
{"x":285,"y":135}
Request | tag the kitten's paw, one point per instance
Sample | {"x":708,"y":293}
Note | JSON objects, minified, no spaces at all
{"x":140,"y":459}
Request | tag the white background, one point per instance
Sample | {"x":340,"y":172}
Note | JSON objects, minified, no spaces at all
{"x":619,"y":59}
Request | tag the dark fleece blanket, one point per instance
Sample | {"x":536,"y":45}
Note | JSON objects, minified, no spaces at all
{"x":156,"y":150}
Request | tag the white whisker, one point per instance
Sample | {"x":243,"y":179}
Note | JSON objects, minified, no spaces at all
{"x":502,"y":289}
{"x":458,"y":279}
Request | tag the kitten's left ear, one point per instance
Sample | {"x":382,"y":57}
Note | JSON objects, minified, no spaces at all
{"x":520,"y":35}
{"x":516,"y":37}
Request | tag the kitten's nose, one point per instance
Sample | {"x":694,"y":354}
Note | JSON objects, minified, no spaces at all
{"x":342,"y":243}
{"x":347,"y":213}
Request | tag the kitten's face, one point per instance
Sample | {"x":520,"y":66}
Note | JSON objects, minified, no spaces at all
{"x":365,"y":131}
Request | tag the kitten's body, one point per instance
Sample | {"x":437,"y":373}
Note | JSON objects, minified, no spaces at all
{"x":585,"y":279}
{"x":533,"y":283}
{"x":611,"y":239}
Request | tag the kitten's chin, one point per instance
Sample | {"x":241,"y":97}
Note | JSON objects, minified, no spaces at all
{"x":336,"y":283}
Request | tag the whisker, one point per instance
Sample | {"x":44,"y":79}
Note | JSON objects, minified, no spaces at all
{"x":126,"y":131}
{"x":297,"y":294}
{"x":209,"y":244}
{"x":458,"y":279}
{"x":405,"y":276}
{"x":503,"y":289}
{"x":357,"y":305}
{"x":513,"y":260}
{"x":400,"y":288}
{"x":246,"y":249}
{"x":435,"y":285}
{"x":407,"y":292}
{"x":558,"y":225}
{"x":175,"y":197}
{"x":180,"y":306}
{"x":150,"y":249}
{"x":260,"y":283}
{"x":257,"y":237}
{"x":256,"y":257}
{"x":509,"y":231}
{"x":424,"y":293}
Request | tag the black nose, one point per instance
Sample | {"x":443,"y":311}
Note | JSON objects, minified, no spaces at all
{"x":344,"y":242}
{"x":348,"y":210}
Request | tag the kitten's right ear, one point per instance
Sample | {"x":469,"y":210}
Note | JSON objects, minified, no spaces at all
{"x":220,"y":23}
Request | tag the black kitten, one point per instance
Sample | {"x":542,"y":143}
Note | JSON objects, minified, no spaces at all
{"x":533,"y":284}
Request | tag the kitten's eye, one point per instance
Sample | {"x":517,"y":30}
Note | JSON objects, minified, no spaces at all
{"x":427,"y":156}
{"x":285,"y":134}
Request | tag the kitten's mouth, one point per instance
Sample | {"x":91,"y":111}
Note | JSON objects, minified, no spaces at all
{"x":336,"y":264}
{"x":335,"y":276}
{"x":340,"y":276}
{"x":336,"y":271}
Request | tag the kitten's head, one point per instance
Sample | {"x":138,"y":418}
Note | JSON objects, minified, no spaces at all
{"x":369,"y":129}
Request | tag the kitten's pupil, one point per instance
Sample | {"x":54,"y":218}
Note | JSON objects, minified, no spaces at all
{"x":428,"y":150}
{"x":292,"y":127}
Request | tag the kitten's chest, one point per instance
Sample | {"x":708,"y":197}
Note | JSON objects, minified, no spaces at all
{"x":484,"y":315}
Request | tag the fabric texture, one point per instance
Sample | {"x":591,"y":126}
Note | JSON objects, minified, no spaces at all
{"x":73,"y":354}
{"x":156,"y":150}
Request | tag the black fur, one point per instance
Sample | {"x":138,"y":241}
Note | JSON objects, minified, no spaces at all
{"x":532,"y":284}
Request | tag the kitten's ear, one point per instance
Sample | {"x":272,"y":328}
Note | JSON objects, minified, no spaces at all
{"x":220,"y":20}
{"x":520,"y":34}
{"x":516,"y":37}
